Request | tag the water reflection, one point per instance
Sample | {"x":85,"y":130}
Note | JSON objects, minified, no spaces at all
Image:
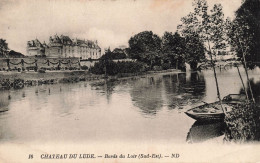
{"x":106,"y":86}
{"x":148,"y":108}
{"x":172,"y":90}
{"x":203,"y":131}
{"x":190,"y":89}
{"x":5,"y":98}
{"x":146,"y":94}
{"x":255,"y":89}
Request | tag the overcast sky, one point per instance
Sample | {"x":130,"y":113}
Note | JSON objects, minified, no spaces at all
{"x":112,"y":23}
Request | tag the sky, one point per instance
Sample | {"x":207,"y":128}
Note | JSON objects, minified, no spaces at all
{"x":110,"y":22}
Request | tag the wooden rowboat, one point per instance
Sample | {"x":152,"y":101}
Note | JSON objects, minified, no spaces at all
{"x":208,"y":112}
{"x":213,"y":111}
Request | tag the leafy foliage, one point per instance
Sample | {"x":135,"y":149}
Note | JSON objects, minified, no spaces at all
{"x":3,"y":48}
{"x":173,"y":48}
{"x":242,"y":123}
{"x":14,"y":54}
{"x":208,"y":25}
{"x":113,"y":68}
{"x":194,"y":51}
{"x":146,"y":47}
{"x":116,"y":54}
{"x":179,"y":49}
{"x":244,"y":32}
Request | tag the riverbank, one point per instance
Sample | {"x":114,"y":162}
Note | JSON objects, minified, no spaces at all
{"x":29,"y":78}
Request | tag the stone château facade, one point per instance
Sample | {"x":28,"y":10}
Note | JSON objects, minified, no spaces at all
{"x":35,"y":48}
{"x":64,"y":47}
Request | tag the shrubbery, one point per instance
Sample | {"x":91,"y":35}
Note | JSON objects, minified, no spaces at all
{"x":41,"y":70}
{"x":157,"y":68}
{"x":166,"y":66}
{"x":84,"y":67}
{"x":113,"y":68}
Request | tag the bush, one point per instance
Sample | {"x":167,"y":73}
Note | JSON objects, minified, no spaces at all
{"x":166,"y":66}
{"x":41,"y":70}
{"x":84,"y":67}
{"x":242,"y":123}
{"x":113,"y":68}
{"x":157,"y":68}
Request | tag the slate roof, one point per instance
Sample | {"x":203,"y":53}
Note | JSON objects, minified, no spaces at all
{"x":35,"y":43}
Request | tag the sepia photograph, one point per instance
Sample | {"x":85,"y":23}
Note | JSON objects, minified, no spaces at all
{"x":129,"y":81}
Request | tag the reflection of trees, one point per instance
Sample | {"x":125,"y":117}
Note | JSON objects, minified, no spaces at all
{"x":195,"y":85}
{"x":184,"y":89}
{"x":255,"y":88}
{"x":4,"y":100}
{"x":172,"y":90}
{"x":146,"y":94}
{"x":107,"y":86}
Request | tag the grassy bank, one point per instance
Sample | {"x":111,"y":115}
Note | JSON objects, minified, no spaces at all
{"x":21,"y":79}
{"x":47,"y":75}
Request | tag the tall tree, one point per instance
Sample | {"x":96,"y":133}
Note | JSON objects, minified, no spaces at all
{"x":145,"y":47}
{"x":173,"y":48}
{"x":245,"y":32}
{"x":209,"y":26}
{"x":3,"y":48}
{"x":194,"y":51}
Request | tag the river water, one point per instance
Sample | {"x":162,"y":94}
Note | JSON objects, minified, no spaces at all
{"x":144,"y":109}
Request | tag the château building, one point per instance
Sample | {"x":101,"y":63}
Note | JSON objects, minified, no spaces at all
{"x":64,"y":47}
{"x":35,"y":48}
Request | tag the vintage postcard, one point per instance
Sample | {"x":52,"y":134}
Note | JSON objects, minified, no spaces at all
{"x":129,"y":81}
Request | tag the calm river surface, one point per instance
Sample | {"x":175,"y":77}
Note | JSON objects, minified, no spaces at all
{"x":145,"y":109}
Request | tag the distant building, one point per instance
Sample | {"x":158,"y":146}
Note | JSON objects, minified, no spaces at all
{"x":64,"y":47}
{"x":227,"y":56}
{"x":35,"y":48}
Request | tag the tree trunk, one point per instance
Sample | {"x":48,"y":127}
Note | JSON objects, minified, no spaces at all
{"x":243,"y":84}
{"x":216,"y":79}
{"x":193,"y":66}
{"x":248,"y":82}
{"x":245,"y":67}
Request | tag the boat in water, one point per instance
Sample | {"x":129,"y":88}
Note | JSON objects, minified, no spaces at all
{"x":213,"y":111}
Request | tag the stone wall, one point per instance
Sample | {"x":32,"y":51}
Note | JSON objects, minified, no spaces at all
{"x":88,"y":63}
{"x":31,"y":63}
{"x":48,"y":63}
